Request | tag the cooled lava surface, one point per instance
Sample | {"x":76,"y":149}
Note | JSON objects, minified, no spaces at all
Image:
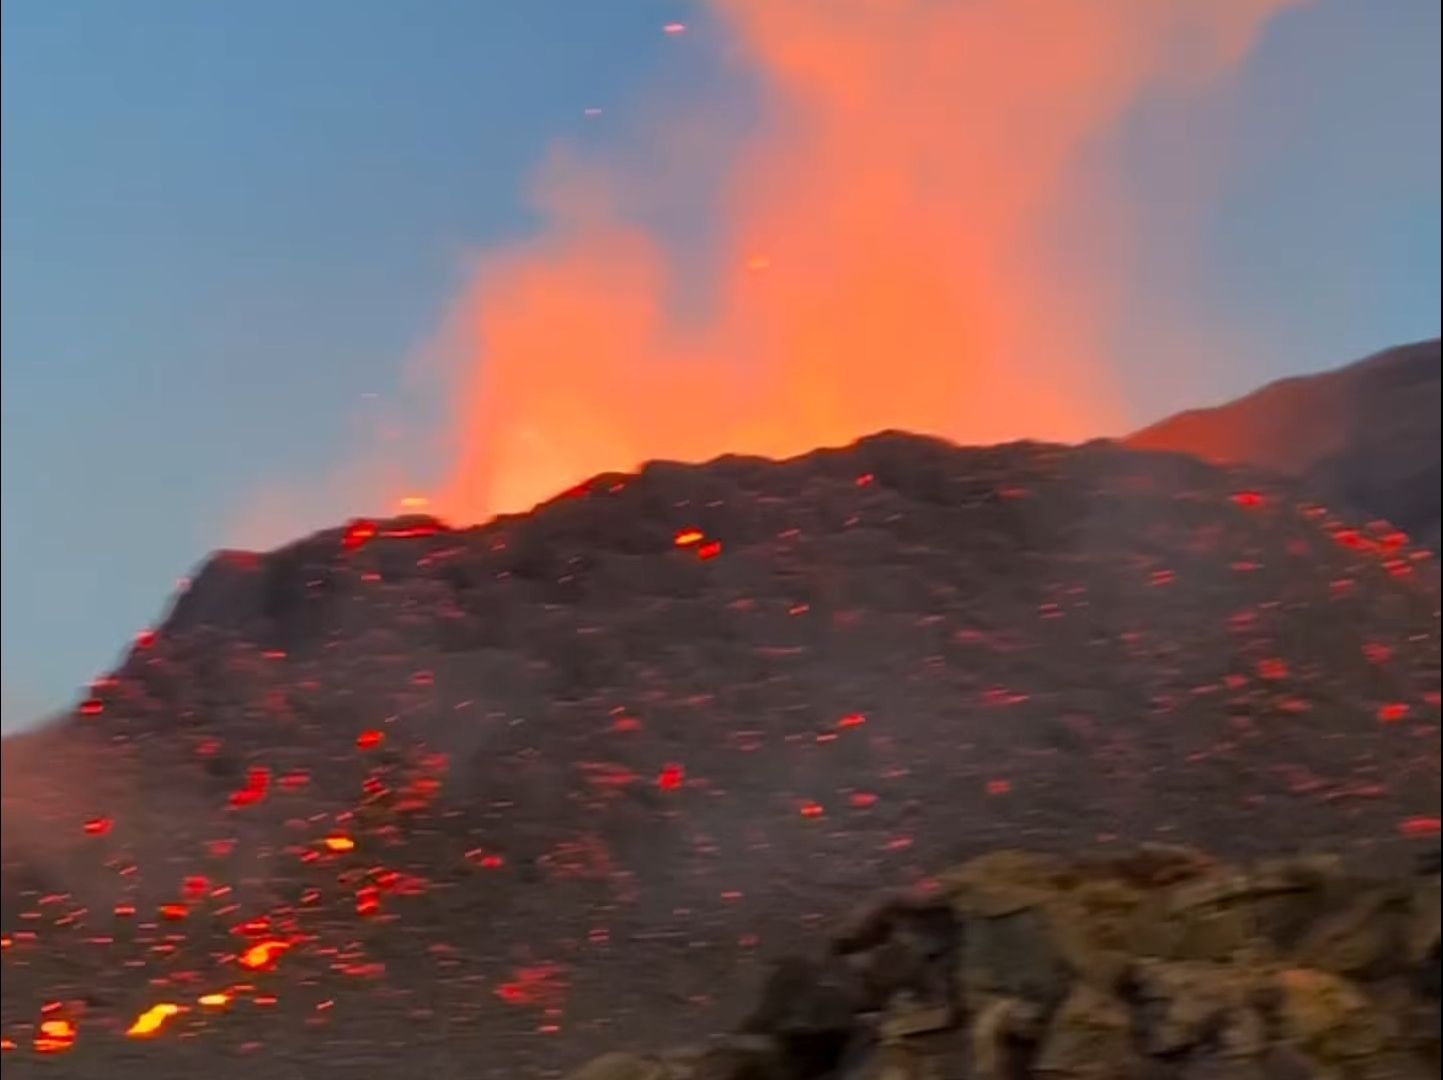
{"x":485,"y":802}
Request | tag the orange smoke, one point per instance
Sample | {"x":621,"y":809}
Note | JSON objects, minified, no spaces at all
{"x":909,"y":240}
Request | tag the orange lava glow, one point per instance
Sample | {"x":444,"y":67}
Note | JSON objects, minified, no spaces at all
{"x":217,"y":1000}
{"x":338,"y":842}
{"x":54,"y":1036}
{"x":152,"y":1020}
{"x":358,"y":534}
{"x":262,"y":956}
{"x":899,"y":247}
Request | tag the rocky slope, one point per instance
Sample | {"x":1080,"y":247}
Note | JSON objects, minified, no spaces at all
{"x":1365,"y":436}
{"x":489,"y":801}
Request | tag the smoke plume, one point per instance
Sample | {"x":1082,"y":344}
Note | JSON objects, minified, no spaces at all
{"x":913,"y":236}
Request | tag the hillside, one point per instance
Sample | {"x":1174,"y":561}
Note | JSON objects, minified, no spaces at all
{"x":1365,"y":436}
{"x":486,"y":802}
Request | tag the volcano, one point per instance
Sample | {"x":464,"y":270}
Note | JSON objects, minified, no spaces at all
{"x":487,"y":801}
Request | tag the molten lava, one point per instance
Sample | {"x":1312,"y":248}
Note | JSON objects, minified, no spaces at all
{"x":54,"y":1036}
{"x":262,"y":956}
{"x":152,"y":1020}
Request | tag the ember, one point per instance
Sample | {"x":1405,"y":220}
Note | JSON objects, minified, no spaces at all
{"x":263,"y":955}
{"x":152,"y":1020}
{"x":54,"y":1036}
{"x":357,"y":534}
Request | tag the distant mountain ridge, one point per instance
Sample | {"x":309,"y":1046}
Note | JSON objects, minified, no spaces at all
{"x":1365,"y":436}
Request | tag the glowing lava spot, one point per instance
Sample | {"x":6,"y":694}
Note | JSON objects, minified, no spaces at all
{"x":710,"y":550}
{"x":670,"y":778}
{"x":98,"y":826}
{"x":152,"y":1020}
{"x":1272,"y":668}
{"x":258,"y":782}
{"x":538,"y":985}
{"x":54,"y":1036}
{"x":688,"y":537}
{"x":358,"y":533}
{"x":369,"y":740}
{"x":1392,"y":713}
{"x":338,"y":842}
{"x":195,"y":886}
{"x":218,"y":1000}
{"x":368,"y":900}
{"x":262,"y":956}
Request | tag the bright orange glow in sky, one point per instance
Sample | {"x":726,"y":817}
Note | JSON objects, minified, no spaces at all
{"x":900,"y":250}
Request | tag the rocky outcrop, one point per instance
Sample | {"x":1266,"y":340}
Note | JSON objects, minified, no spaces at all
{"x":1159,"y":963}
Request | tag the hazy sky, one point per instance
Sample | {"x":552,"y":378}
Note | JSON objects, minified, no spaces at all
{"x":226,"y":225}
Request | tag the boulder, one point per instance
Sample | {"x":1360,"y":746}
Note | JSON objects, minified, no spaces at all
{"x":1180,"y":1005}
{"x":1421,"y":927}
{"x":1030,"y":927}
{"x":1002,"y":1038}
{"x":1326,"y":1017}
{"x":1089,"y":1038}
{"x":1362,"y":937}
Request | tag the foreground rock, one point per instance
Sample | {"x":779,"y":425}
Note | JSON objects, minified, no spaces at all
{"x":1160,"y":963}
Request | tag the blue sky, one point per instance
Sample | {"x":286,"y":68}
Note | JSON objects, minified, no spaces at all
{"x":223,"y":224}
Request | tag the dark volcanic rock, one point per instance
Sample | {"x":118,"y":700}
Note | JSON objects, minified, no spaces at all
{"x":507,"y":796}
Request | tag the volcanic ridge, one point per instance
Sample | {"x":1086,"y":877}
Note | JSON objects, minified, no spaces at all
{"x":490,"y":801}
